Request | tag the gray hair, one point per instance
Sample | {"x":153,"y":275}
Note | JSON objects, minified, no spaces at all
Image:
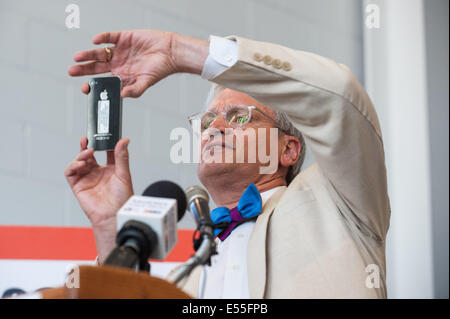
{"x":286,"y":127}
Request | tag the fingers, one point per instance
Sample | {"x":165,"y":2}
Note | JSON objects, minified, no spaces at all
{"x":137,"y":88}
{"x":85,"y":155}
{"x":111,"y":156}
{"x":82,"y":165}
{"x":73,"y":168}
{"x":110,"y":160}
{"x":83,"y":142}
{"x":121,"y":158}
{"x":89,"y":68}
{"x":85,"y":88}
{"x":77,"y":169}
{"x":106,"y":37}
{"x":74,"y":171}
{"x":98,"y":54}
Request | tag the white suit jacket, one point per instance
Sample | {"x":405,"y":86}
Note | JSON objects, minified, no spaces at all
{"x":324,"y":235}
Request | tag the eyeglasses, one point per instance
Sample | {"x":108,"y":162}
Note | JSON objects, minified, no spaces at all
{"x":236,"y":116}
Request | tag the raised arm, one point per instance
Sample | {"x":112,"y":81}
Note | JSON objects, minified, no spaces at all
{"x":321,"y":97}
{"x":328,"y":105}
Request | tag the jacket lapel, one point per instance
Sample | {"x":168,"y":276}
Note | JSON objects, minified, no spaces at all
{"x":256,"y":251}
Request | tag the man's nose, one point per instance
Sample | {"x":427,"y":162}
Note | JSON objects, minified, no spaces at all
{"x":219,"y":123}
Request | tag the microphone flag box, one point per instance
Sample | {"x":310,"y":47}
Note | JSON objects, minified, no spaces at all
{"x":158,"y":213}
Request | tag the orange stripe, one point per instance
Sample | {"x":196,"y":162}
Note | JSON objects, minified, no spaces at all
{"x":68,"y":243}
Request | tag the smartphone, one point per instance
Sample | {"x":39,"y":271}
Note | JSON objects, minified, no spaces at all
{"x":104,"y":127}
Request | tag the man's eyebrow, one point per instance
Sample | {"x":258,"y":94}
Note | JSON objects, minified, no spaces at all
{"x":212,"y":108}
{"x":225,"y":107}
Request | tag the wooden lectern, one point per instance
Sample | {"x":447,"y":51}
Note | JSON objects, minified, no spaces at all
{"x":107,"y":282}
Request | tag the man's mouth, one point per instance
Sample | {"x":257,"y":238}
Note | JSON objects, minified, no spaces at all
{"x":216,"y":146}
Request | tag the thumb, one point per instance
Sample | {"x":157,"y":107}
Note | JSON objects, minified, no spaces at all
{"x":121,"y":159}
{"x":138,"y":88}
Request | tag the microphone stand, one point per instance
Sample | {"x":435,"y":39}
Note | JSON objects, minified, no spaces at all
{"x":135,"y":242}
{"x":203,"y":255}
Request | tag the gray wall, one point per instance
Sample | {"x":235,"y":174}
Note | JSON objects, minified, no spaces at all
{"x":43,"y":113}
{"x":437,"y":54}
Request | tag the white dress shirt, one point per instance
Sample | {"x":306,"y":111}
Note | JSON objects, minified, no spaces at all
{"x":227,"y":276}
{"x":222,"y":55}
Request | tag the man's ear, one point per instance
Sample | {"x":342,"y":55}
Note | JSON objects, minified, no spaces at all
{"x":290,"y":151}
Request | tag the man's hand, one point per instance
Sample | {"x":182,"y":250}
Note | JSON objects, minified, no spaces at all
{"x":141,"y":58}
{"x":101,"y":190}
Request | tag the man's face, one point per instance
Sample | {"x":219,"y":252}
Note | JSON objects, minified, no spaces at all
{"x":245,"y":152}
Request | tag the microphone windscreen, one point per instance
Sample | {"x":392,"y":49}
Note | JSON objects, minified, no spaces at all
{"x":196,"y":192}
{"x":168,"y":189}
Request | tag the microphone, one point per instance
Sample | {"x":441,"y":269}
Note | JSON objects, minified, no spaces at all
{"x":135,"y":242}
{"x":147,"y":226}
{"x":205,"y":246}
{"x":168,"y":189}
{"x":198,"y":200}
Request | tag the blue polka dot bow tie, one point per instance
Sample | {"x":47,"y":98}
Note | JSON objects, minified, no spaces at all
{"x":248,"y":208}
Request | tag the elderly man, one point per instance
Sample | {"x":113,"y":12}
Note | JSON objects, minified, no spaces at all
{"x":319,"y":233}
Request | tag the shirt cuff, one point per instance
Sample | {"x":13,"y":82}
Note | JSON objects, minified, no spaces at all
{"x":222,"y":55}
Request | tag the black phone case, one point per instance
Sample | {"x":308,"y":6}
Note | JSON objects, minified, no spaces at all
{"x":104,"y":127}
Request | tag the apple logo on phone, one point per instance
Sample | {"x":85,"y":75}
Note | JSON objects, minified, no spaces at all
{"x":104,"y":95}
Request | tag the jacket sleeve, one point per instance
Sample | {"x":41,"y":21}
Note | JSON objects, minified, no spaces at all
{"x":325,"y":101}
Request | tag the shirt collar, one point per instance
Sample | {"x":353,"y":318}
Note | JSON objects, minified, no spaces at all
{"x":267,"y":194}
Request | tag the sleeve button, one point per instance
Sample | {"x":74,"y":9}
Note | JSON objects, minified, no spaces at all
{"x":287,"y":66}
{"x":267,"y":59}
{"x":277,"y":63}
{"x":258,"y":57}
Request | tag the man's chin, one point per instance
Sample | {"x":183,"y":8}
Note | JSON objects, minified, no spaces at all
{"x":211,"y":169}
{"x":208,"y":172}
